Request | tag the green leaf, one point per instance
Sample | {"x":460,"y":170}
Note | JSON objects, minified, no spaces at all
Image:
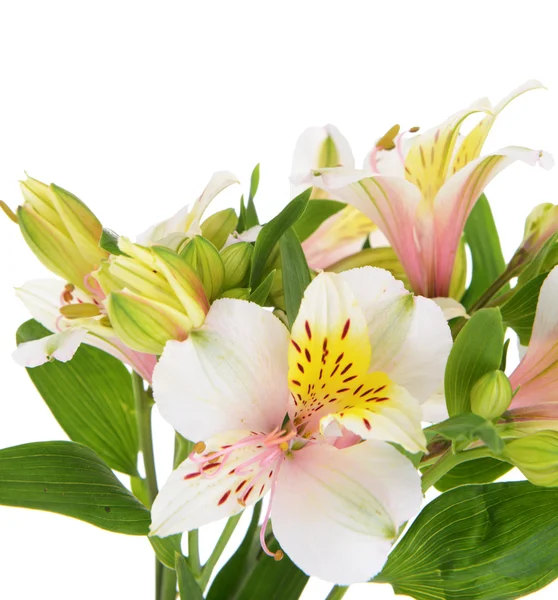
{"x":519,"y":311}
{"x":167,"y":548}
{"x":109,"y":242}
{"x":477,"y":350}
{"x":483,"y":542}
{"x":467,"y":427}
{"x":271,"y":233}
{"x":91,"y":398}
{"x":250,"y":216}
{"x":481,"y":470}
{"x":187,"y":585}
{"x":69,"y":479}
{"x":296,"y":275}
{"x":229,"y":580}
{"x":483,"y":241}
{"x":542,"y":262}
{"x":273,"y":580}
{"x":260,"y":294}
{"x":317,"y":211}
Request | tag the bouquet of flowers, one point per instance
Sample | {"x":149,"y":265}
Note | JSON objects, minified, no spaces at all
{"x":322,"y":371}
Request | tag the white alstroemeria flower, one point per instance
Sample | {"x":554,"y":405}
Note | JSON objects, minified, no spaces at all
{"x":44,"y":298}
{"x":275,"y":410}
{"x":187,"y":220}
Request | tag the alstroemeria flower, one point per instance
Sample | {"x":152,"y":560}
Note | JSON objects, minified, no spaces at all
{"x":535,"y":403}
{"x":305,"y":416}
{"x":345,"y":232}
{"x":420,"y":190}
{"x":186,"y":221}
{"x":85,"y":322}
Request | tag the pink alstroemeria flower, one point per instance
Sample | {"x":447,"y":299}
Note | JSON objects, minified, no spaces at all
{"x":535,"y":404}
{"x":420,"y":190}
{"x":345,"y":232}
{"x":305,"y":416}
{"x":43,"y":298}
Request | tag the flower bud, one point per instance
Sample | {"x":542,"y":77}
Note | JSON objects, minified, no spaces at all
{"x":62,"y":232}
{"x":491,"y":395}
{"x":237,"y":260}
{"x":153,"y":296}
{"x":536,"y":456}
{"x":206,"y":261}
{"x":238,"y":293}
{"x":219,"y":226}
{"x":540,"y":225}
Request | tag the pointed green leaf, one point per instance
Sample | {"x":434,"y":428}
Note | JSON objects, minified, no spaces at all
{"x":483,"y":241}
{"x":69,"y":479}
{"x":295,"y":272}
{"x":519,"y":311}
{"x":167,"y":548}
{"x":260,"y":294}
{"x":317,"y":211}
{"x":477,"y":350}
{"x":109,"y":242}
{"x":481,"y":470}
{"x":479,"y":542}
{"x":187,"y":585}
{"x":271,"y":233}
{"x":91,"y":398}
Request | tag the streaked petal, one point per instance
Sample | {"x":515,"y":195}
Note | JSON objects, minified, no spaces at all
{"x":329,"y":347}
{"x":456,"y":199}
{"x":537,"y":373}
{"x":336,"y":512}
{"x":385,"y":412}
{"x":318,"y":147}
{"x":471,"y":145}
{"x":408,"y":334}
{"x":451,"y":308}
{"x":428,"y":160}
{"x":231,"y":373}
{"x":198,"y":493}
{"x":187,"y":220}
{"x":59,"y":346}
{"x":339,"y":236}
{"x":392,"y":203}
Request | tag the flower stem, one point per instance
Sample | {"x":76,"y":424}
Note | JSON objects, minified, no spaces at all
{"x":218,"y":550}
{"x":447,"y":461}
{"x":165,"y":579}
{"x":194,"y":553}
{"x":337,"y":591}
{"x":513,"y":268}
{"x":143,"y":416}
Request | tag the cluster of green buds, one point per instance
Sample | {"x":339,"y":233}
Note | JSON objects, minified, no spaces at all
{"x":61,"y":231}
{"x":160,"y":293}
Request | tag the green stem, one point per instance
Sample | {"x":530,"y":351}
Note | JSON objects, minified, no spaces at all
{"x":337,"y":591}
{"x":447,"y":461}
{"x":194,"y":553}
{"x":511,"y":271}
{"x":168,"y":584}
{"x":143,"y":416}
{"x":218,"y":550}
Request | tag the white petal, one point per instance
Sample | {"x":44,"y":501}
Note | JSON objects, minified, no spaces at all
{"x":188,"y":501}
{"x":59,"y":346}
{"x":307,"y":152}
{"x":451,"y":308}
{"x":434,"y":410}
{"x":336,"y":512}
{"x":41,"y":298}
{"x":229,"y":374}
{"x":250,"y":235}
{"x":185,"y":220}
{"x":409,"y":336}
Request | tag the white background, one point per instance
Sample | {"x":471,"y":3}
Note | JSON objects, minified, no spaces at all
{"x":132,"y":105}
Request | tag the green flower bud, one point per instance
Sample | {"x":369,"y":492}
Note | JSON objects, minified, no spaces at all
{"x":153,"y":294}
{"x":219,"y":226}
{"x":238,"y":293}
{"x":206,"y":261}
{"x":62,"y":232}
{"x":540,"y":225}
{"x":237,"y":260}
{"x":536,"y":456}
{"x":491,"y":395}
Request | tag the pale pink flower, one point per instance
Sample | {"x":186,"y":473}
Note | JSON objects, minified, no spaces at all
{"x":306,"y":416}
